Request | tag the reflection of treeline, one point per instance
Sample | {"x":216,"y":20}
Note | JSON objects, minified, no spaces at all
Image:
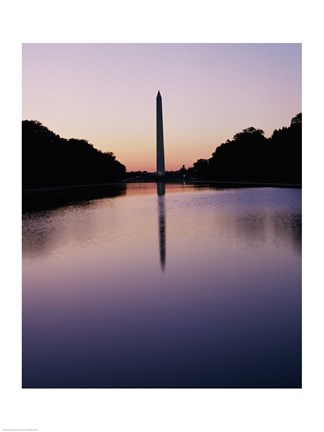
{"x":49,"y":160}
{"x":249,"y":156}
{"x":52,"y":197}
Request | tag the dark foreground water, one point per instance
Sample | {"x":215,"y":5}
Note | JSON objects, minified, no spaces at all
{"x":187,"y":287}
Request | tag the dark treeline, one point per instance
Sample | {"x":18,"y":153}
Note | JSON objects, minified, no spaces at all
{"x":49,"y":160}
{"x":251,"y":157}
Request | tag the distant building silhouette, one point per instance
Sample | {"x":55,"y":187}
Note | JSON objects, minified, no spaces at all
{"x":160,"y":169}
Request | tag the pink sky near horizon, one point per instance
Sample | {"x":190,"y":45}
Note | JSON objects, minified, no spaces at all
{"x":106,"y":94}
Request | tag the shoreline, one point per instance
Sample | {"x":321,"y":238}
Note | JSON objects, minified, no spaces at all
{"x":229,"y":183}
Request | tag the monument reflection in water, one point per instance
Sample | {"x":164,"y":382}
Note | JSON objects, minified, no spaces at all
{"x":162,"y":235}
{"x":103,"y":307}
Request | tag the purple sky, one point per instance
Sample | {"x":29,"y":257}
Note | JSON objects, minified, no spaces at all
{"x":105,"y":93}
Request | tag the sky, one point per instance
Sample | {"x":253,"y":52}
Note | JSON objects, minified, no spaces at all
{"x":106,"y":94}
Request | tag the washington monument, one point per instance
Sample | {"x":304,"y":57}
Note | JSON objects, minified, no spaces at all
{"x":160,"y":170}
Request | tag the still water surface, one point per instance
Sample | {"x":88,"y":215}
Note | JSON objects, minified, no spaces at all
{"x":177,"y":287}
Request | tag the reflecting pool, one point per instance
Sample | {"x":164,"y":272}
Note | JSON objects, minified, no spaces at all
{"x":164,"y":286}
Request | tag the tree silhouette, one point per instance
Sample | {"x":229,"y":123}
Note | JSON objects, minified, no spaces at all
{"x":49,"y":160}
{"x":249,"y":156}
